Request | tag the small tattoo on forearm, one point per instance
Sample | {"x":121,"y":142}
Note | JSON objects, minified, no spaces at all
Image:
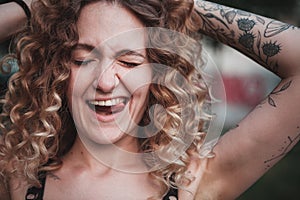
{"x":53,"y":176}
{"x":283,"y":150}
{"x":271,"y":101}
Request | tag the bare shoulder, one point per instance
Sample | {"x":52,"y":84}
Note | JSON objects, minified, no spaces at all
{"x":17,"y":189}
{"x":4,"y":192}
{"x":204,"y":183}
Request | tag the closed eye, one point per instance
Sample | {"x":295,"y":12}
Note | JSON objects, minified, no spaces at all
{"x":129,"y":64}
{"x":82,"y":62}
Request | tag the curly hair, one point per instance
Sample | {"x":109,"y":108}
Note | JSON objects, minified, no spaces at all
{"x":36,"y":124}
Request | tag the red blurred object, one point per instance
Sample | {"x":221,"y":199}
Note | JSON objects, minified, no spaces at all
{"x":244,"y":90}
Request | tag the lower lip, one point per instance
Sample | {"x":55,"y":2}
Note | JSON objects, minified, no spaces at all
{"x":107,"y":118}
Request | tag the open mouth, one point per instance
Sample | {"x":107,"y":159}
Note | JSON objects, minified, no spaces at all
{"x":108,"y":107}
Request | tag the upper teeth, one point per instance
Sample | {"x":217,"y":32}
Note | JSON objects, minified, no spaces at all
{"x":111,"y":102}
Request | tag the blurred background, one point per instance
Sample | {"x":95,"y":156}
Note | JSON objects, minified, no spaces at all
{"x":246,"y":84}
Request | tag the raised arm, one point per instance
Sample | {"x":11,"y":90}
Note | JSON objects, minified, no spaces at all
{"x":267,"y":134}
{"x":12,"y":19}
{"x":269,"y":42}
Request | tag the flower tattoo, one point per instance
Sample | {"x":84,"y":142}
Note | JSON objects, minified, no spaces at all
{"x":245,"y":24}
{"x":247,"y":40}
{"x":271,"y":49}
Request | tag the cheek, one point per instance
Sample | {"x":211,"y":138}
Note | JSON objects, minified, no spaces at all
{"x":143,"y":91}
{"x":78,"y":82}
{"x":138,"y":80}
{"x":144,"y":83}
{"x":70,"y":91}
{"x":72,"y":87}
{"x":71,"y":83}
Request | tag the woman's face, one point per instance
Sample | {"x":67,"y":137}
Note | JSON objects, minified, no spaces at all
{"x":110,"y":75}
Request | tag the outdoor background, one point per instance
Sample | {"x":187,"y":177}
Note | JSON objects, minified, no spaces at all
{"x":246,"y":83}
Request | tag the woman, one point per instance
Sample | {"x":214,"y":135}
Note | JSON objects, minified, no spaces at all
{"x":96,"y":61}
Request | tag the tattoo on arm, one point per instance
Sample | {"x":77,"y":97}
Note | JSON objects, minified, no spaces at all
{"x":53,"y":176}
{"x":221,"y":32}
{"x":252,"y":43}
{"x":276,"y":92}
{"x":283,"y":150}
{"x":270,"y":98}
{"x":275,"y":27}
{"x":259,"y":45}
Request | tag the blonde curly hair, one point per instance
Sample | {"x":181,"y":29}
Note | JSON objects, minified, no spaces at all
{"x":36,"y":125}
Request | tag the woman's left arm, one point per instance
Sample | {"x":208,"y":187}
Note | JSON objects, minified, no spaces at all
{"x":270,"y":131}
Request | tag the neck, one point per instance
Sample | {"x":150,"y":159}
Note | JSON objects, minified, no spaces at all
{"x":107,"y":156}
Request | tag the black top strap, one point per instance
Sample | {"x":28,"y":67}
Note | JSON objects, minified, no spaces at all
{"x":37,"y":193}
{"x":173,"y":192}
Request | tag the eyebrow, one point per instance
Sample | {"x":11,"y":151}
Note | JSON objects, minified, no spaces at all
{"x":127,"y":52}
{"x":84,"y":46}
{"x":124,"y":52}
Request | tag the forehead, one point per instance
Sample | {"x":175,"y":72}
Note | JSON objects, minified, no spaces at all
{"x":110,"y":25}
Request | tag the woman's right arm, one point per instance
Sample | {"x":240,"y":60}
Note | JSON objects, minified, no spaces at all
{"x":12,"y":19}
{"x":272,"y":128}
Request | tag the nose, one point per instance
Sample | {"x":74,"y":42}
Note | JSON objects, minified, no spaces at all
{"x":107,"y":80}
